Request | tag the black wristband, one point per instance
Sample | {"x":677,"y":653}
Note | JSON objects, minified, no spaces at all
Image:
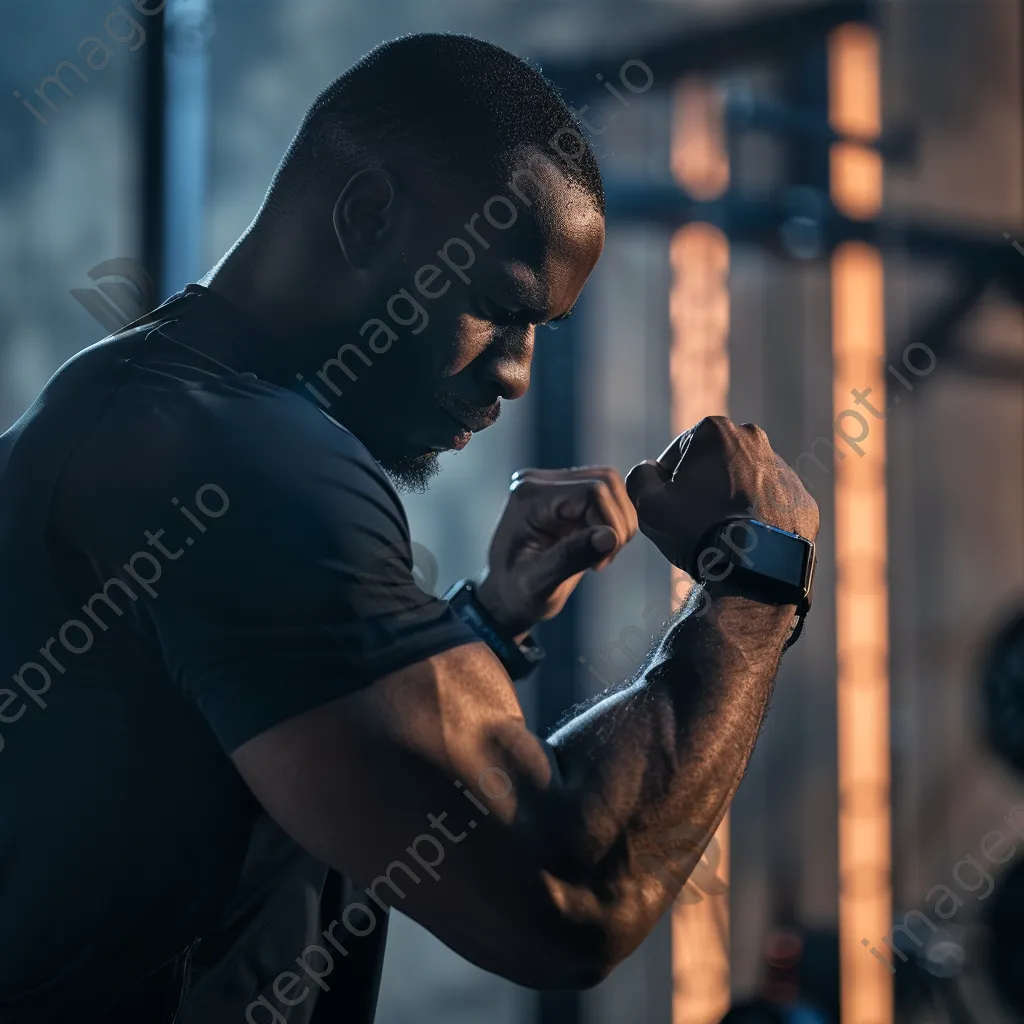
{"x":519,"y":659}
{"x":769,"y":580}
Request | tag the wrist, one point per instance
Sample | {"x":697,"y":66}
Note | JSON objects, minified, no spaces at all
{"x":730,"y":625}
{"x":735,"y":586}
{"x":488,"y":593}
{"x":520,"y":657}
{"x":748,"y":560}
{"x":737,"y":607}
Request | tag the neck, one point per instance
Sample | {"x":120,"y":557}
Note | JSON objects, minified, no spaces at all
{"x":269,"y":275}
{"x":298,"y":335}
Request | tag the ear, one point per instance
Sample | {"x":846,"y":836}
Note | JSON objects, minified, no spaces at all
{"x":363,"y":214}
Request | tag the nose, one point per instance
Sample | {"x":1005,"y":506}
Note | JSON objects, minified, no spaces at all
{"x":508,"y":361}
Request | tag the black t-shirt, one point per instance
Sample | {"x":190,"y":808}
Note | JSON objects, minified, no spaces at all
{"x":189,"y":555}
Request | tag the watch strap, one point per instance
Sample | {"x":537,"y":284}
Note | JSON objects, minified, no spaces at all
{"x":519,"y":659}
{"x":714,"y":559}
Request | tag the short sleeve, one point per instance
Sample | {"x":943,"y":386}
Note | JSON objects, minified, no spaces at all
{"x":269,"y":554}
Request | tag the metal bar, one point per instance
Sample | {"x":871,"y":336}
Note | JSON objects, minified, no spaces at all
{"x":711,"y":49}
{"x":746,"y":111}
{"x":935,"y":329}
{"x":755,"y":219}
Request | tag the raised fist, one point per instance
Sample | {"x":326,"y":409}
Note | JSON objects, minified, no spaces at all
{"x":711,"y":472}
{"x":557,"y":524}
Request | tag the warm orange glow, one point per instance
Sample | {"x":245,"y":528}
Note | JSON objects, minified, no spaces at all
{"x":699,"y":312}
{"x":855,"y":109}
{"x":862,"y":596}
{"x":854,"y":170}
{"x":699,"y":160}
{"x":700,"y":948}
{"x":699,"y":373}
{"x":862,"y":640}
{"x":855,"y":101}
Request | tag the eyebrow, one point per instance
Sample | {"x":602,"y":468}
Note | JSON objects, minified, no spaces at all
{"x":529,"y":312}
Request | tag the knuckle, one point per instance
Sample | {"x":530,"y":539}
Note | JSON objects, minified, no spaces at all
{"x":608,"y":474}
{"x":755,"y":440}
{"x":709,"y":423}
{"x":714,"y":433}
{"x":523,"y":486}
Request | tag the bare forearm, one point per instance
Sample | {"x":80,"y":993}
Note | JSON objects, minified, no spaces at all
{"x":653,"y":767}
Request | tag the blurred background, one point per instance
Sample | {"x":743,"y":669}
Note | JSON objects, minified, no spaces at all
{"x":816,"y":222}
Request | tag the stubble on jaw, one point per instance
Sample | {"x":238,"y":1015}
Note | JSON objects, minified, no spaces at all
{"x":412,"y":475}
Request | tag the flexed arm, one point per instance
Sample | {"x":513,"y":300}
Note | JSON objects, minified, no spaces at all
{"x":554,"y":880}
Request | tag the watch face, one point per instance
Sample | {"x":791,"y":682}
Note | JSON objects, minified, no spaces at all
{"x":770,"y":552}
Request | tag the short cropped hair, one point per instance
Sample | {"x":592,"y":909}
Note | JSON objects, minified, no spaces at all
{"x":454,"y":106}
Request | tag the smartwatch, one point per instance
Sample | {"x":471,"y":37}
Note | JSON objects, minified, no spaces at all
{"x":519,"y":659}
{"x":773,"y":564}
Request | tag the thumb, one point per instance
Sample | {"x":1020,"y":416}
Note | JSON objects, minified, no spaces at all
{"x":570,"y":556}
{"x":645,"y":480}
{"x":657,"y":513}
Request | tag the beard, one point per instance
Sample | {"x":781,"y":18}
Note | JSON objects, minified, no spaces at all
{"x":411,"y":474}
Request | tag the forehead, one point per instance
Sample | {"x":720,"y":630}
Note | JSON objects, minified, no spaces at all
{"x":535,"y":238}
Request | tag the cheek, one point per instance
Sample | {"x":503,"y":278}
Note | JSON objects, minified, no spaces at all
{"x":459,"y":341}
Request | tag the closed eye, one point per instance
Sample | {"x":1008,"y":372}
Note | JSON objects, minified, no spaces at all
{"x":506,"y":318}
{"x":555,"y":321}
{"x":501,"y":317}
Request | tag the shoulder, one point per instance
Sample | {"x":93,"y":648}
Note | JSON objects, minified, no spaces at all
{"x":275,"y":455}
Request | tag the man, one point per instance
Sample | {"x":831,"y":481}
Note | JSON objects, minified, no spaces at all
{"x":237,"y":732}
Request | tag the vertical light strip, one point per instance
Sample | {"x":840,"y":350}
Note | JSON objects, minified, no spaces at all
{"x":699,"y":375}
{"x":188,"y":30}
{"x":862,"y":596}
